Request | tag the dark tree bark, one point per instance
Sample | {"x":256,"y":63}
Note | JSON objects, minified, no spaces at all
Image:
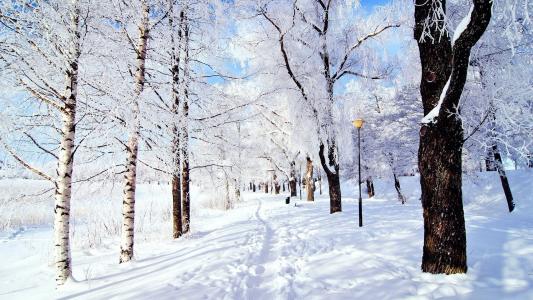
{"x":370,"y":187}
{"x":185,"y":172}
{"x":177,"y":226}
{"x":319,"y":181}
{"x":441,"y":139}
{"x":335,"y":204}
{"x":490,"y":165}
{"x":185,"y":198}
{"x":503,"y":177}
{"x":253,"y":187}
{"x":292,"y":179}
{"x":398,"y":188}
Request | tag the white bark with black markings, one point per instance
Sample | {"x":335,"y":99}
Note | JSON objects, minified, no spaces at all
{"x":130,"y":176}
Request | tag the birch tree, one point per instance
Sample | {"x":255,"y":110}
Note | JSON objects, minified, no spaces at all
{"x":42,"y":50}
{"x":128,"y":25}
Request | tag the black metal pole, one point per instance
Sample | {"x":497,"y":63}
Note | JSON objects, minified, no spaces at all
{"x":360,"y":199}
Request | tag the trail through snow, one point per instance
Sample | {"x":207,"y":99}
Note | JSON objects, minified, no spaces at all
{"x":264,"y":249}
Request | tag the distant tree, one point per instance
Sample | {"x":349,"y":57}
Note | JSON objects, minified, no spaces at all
{"x":309,"y":180}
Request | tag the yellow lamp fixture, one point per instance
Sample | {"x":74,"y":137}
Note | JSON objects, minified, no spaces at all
{"x":358,"y":123}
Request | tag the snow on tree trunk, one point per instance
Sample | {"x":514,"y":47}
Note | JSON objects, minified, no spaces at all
{"x":276,"y":187}
{"x":503,"y":177}
{"x":237,"y":190}
{"x":335,"y":204}
{"x":130,"y":176}
{"x":177,"y":223}
{"x":398,"y":188}
{"x":309,"y":181}
{"x":319,"y":181}
{"x":444,"y":71}
{"x":185,"y":179}
{"x":227,"y":198}
{"x":66,"y":159}
{"x":292,"y":179}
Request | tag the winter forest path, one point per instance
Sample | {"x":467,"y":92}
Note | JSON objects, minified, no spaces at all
{"x":265,"y":249}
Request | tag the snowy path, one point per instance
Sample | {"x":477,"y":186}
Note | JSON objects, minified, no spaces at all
{"x":264,"y":249}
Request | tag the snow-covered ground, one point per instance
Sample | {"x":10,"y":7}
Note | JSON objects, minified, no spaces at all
{"x":264,"y":249}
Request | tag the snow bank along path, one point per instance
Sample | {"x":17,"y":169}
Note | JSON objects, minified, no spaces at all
{"x":265,"y":249}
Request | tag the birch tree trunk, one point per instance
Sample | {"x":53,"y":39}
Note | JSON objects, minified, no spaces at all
{"x":130,"y":176}
{"x":309,"y":182}
{"x":65,"y":159}
{"x":177,"y":225}
{"x":185,"y":180}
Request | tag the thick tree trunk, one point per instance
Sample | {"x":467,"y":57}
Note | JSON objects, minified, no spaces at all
{"x":130,"y":176}
{"x":440,"y":167}
{"x":253,"y":187}
{"x":66,"y":160}
{"x":309,"y":181}
{"x":335,"y":203}
{"x":441,"y":134}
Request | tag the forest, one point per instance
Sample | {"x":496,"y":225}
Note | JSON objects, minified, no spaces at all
{"x":266,"y":149}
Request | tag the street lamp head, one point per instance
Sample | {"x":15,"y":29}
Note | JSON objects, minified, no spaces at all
{"x":358,"y":123}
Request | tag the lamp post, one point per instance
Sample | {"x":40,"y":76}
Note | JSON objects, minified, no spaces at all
{"x":358,"y":123}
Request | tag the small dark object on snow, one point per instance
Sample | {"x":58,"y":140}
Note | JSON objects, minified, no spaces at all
{"x":287,"y":200}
